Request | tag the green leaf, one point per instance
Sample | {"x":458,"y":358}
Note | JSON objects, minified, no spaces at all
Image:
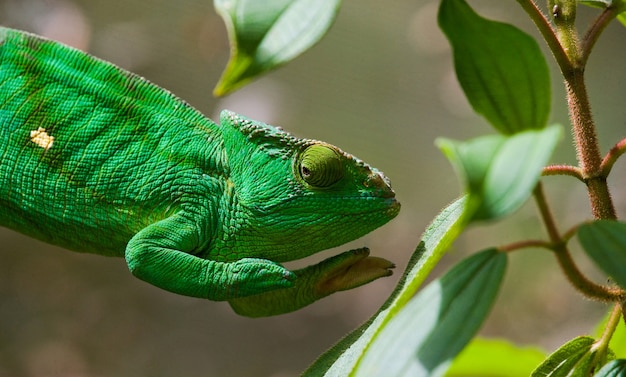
{"x":605,"y":243}
{"x":500,"y":68}
{"x":266,"y":34}
{"x":490,"y":357}
{"x":341,"y":359}
{"x":500,"y":172}
{"x":564,"y":360}
{"x":615,"y":368}
{"x":438,"y":323}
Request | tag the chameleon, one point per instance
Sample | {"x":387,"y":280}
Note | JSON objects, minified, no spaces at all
{"x":99,"y":160}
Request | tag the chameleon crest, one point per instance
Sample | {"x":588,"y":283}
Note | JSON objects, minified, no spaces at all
{"x":99,"y":160}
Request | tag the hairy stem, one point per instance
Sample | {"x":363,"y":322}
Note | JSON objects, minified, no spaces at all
{"x":583,"y":124}
{"x":548,"y":33}
{"x":572,"y":171}
{"x":583,"y":127}
{"x":573,"y":274}
{"x":587,"y":148}
{"x":562,"y":38}
{"x":580,"y":281}
{"x":611,"y":157}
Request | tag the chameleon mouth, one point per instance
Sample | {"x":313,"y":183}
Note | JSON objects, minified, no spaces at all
{"x":394,"y":206}
{"x":380,"y":184}
{"x":389,"y":206}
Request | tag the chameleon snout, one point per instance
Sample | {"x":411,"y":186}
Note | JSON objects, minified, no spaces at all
{"x":377,"y":181}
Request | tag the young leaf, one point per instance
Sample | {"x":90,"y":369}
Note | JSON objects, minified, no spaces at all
{"x":500,"y":172}
{"x":605,"y":243}
{"x":436,"y":324}
{"x":266,"y":34}
{"x":491,"y":357}
{"x":500,"y":68}
{"x":564,"y":360}
{"x":615,"y":368}
{"x":341,"y":359}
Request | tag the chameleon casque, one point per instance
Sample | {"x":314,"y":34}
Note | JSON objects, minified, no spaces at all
{"x":96,"y":159}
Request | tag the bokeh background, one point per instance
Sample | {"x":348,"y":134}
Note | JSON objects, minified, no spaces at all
{"x":381,"y":86}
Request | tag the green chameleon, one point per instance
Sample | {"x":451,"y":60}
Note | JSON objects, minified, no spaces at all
{"x":96,"y":159}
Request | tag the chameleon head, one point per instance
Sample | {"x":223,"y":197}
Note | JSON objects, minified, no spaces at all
{"x":301,"y":195}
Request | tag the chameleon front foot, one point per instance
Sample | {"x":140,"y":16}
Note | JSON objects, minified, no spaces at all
{"x":250,"y":276}
{"x":349,"y":270}
{"x":345,"y":271}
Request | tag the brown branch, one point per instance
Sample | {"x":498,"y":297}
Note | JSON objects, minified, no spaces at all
{"x":611,"y":157}
{"x":597,"y":27}
{"x":572,"y":171}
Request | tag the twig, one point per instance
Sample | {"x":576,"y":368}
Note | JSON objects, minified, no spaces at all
{"x":548,"y":33}
{"x":578,"y":280}
{"x":611,"y":157}
{"x":596,"y":28}
{"x":572,"y":171}
{"x":525,"y":244}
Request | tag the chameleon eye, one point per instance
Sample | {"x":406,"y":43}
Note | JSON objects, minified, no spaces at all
{"x":320,"y":166}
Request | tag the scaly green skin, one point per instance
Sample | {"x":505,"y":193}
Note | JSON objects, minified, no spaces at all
{"x":96,"y":159}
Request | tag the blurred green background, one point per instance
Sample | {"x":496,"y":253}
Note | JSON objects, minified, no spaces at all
{"x":380,"y":86}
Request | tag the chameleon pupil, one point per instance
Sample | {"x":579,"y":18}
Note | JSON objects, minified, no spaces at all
{"x":305,"y":171}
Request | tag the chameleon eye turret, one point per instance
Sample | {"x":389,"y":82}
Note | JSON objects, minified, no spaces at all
{"x":320,"y":166}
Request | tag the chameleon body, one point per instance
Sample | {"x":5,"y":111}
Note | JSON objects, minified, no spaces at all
{"x":96,"y":159}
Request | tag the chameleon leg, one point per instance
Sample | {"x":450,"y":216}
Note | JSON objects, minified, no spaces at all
{"x":339,"y":273}
{"x":159,"y":255}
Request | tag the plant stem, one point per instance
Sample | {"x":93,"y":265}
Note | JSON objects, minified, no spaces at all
{"x":546,"y":214}
{"x":587,"y":148}
{"x":571,"y":58}
{"x":601,"y":345}
{"x":572,"y":171}
{"x":596,"y":28}
{"x":524,"y":245}
{"x":548,"y":33}
{"x":576,"y":278}
{"x":611,"y":157}
{"x":586,"y":142}
{"x":583,"y":127}
{"x":571,"y":55}
{"x":580,"y":281}
{"x":570,"y":233}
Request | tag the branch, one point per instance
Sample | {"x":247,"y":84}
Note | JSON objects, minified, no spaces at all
{"x":572,"y":171}
{"x":546,"y":214}
{"x":573,"y":274}
{"x":596,"y":28}
{"x":548,"y":33}
{"x":601,"y":345}
{"x":525,"y":244}
{"x":611,"y":157}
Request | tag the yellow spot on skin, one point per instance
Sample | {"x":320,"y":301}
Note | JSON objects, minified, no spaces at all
{"x":41,"y":138}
